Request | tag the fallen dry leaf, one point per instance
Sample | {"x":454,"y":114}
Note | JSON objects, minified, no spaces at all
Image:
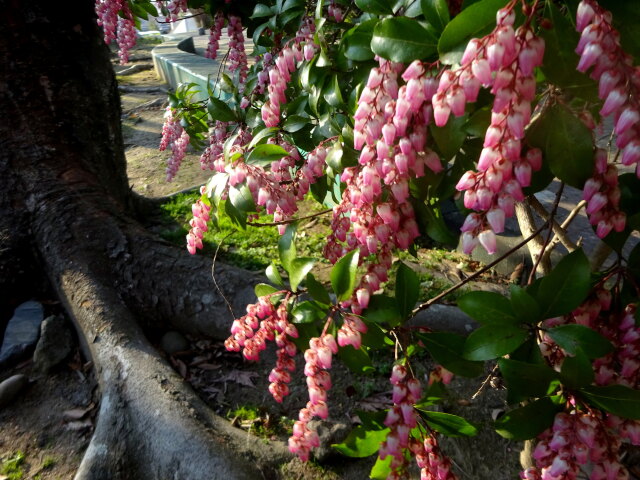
{"x":74,"y":414}
{"x":79,"y":425}
{"x":238,"y":376}
{"x":375,"y":402}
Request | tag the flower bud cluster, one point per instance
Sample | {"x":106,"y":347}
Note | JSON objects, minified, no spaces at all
{"x":602,"y":194}
{"x":237,"y":54}
{"x":440,"y":374}
{"x":268,"y":63}
{"x":335,"y":11}
{"x":618,"y":80}
{"x":317,"y":363}
{"x":402,"y":417}
{"x":214,"y":152}
{"x":178,"y":151}
{"x":126,"y":35}
{"x":201,"y":215}
{"x":117,"y":27}
{"x":576,"y":440}
{"x":390,"y":131}
{"x":350,"y":331}
{"x":503,"y":61}
{"x":107,"y":11}
{"x":171,"y":129}
{"x":214,"y":36}
{"x":174,"y":7}
{"x":302,"y":48}
{"x":433,"y":464}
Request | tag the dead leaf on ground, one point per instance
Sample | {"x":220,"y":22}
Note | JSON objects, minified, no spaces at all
{"x":375,"y":402}
{"x":77,"y":426}
{"x":238,"y":376}
{"x":210,"y":366}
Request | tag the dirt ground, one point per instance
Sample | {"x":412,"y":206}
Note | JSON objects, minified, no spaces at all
{"x":51,"y":423}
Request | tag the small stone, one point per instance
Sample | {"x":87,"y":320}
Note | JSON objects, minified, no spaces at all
{"x":22,"y":333}
{"x":55,"y":344}
{"x":173,"y":342}
{"x":11,"y":387}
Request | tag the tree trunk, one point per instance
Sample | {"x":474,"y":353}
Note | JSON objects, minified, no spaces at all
{"x":65,"y":204}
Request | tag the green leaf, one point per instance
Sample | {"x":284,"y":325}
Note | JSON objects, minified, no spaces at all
{"x":356,"y":43}
{"x":219,"y":110}
{"x":241,"y":198}
{"x":236,"y":216}
{"x":265,"y":154}
{"x":436,"y":12}
{"x":577,"y":371}
{"x":617,"y":399}
{"x":435,"y":225}
{"x":473,"y":22}
{"x":299,"y":269}
{"x":343,"y":275}
{"x":488,"y":308}
{"x":332,"y":93}
{"x":263,"y":289}
{"x":381,"y":469}
{"x":262,"y":136}
{"x":384,"y":309}
{"x":450,"y":137}
{"x":566,"y":144}
{"x":402,"y":39}
{"x":524,"y":305}
{"x":358,"y":361}
{"x":573,"y":337}
{"x":528,"y":421}
{"x":446,"y":349}
{"x":262,"y":10}
{"x":377,"y":7}
{"x":287,"y":246}
{"x":566,"y":287}
{"x":293,"y":123}
{"x":525,"y":380}
{"x":307,"y":312}
{"x":449,"y":425}
{"x":361,"y":442}
{"x":407,"y":289}
{"x":317,"y":290}
{"x":493,"y":341}
{"x":274,"y":276}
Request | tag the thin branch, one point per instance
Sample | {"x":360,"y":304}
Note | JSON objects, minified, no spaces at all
{"x":181,"y":18}
{"x":213,"y":275}
{"x":431,"y":301}
{"x":286,"y":222}
{"x":551,"y":218}
{"x":559,"y":231}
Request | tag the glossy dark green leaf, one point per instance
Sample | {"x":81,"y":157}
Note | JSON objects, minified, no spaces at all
{"x":287,"y":246}
{"x":448,"y":424}
{"x":435,"y":225}
{"x":384,"y":309}
{"x":317,"y":290}
{"x":493,"y":341}
{"x":361,"y":442}
{"x":566,"y":287}
{"x":528,"y":421}
{"x":219,"y":110}
{"x":262,"y":10}
{"x":566,"y":144}
{"x":473,"y":22}
{"x":241,"y":198}
{"x":293,"y":123}
{"x":356,"y":43}
{"x":263,"y":289}
{"x":358,"y":361}
{"x":577,"y":370}
{"x":407,"y":289}
{"x":525,"y":380}
{"x":450,"y":137}
{"x":488,"y":308}
{"x":307,"y":312}
{"x":447,"y":349}
{"x":265,"y":153}
{"x":377,"y":7}
{"x":236,"y":216}
{"x":334,"y":157}
{"x":381,"y":469}
{"x":402,"y":39}
{"x":343,"y":275}
{"x":573,"y":337}
{"x":332,"y":93}
{"x":300,"y":267}
{"x":262,"y":136}
{"x":617,"y":399}
{"x":274,"y":275}
{"x":436,"y":12}
{"x":524,"y":305}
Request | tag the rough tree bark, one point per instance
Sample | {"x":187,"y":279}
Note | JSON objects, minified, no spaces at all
{"x":65,"y":206}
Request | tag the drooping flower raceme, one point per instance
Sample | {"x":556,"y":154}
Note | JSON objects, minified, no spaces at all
{"x":214,"y":36}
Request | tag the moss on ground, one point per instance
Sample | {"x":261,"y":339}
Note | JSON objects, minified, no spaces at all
{"x":12,"y":466}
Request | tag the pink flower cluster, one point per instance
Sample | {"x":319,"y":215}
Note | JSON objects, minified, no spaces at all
{"x":603,"y":197}
{"x":214,"y":36}
{"x":111,"y":22}
{"x":619,"y":80}
{"x":177,"y":139}
{"x":174,"y":7}
{"x":335,"y":11}
{"x":433,"y":464}
{"x":317,"y":362}
{"x":302,"y":48}
{"x":504,"y":61}
{"x":575,"y":440}
{"x":390,"y":130}
{"x":198,"y":225}
{"x":171,"y":129}
{"x":214,"y":152}
{"x":350,"y":331}
{"x":237,"y":54}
